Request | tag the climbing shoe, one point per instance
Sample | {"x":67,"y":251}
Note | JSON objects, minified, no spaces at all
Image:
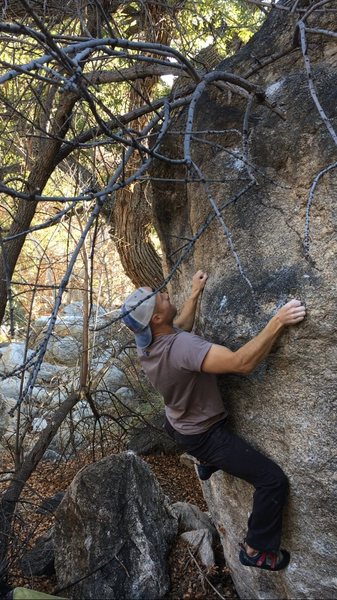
{"x":205,"y":471}
{"x":269,"y":560}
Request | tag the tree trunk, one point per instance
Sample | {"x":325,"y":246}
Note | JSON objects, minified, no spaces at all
{"x":43,"y":167}
{"x":132,"y":217}
{"x":132,"y":228}
{"x":12,"y":494}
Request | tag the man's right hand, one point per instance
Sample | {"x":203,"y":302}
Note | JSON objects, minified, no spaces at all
{"x":291,"y":313}
{"x":198,"y":282}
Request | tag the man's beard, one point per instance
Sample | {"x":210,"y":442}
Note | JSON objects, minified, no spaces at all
{"x":173,"y":313}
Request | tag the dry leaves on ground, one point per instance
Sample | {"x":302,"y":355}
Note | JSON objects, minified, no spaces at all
{"x":189,"y":579}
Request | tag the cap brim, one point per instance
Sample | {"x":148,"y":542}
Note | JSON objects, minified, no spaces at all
{"x":144,"y":338}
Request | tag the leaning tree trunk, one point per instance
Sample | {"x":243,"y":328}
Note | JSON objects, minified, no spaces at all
{"x":132,"y":229}
{"x":43,"y":167}
{"x":11,"y":496}
{"x":132,"y":215}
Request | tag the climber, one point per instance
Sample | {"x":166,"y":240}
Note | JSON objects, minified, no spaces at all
{"x":183,"y":368}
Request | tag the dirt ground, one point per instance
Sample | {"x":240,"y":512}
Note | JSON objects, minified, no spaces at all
{"x":189,"y":579}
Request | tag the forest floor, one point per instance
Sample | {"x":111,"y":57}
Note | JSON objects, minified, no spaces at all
{"x":189,"y":578}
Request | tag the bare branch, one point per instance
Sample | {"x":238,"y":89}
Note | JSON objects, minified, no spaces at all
{"x":317,"y":31}
{"x":306,"y":241}
{"x":314,"y":8}
{"x":245,"y":134}
{"x":210,"y":78}
{"x":311,"y":84}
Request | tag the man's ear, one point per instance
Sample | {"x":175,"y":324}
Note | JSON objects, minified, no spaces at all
{"x":156,"y":319}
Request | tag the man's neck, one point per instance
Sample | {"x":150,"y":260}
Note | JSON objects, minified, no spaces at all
{"x":162,"y":330}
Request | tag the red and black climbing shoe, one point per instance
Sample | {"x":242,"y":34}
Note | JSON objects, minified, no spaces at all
{"x":268,"y":560}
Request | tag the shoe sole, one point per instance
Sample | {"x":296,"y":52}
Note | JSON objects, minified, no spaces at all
{"x":283,"y":564}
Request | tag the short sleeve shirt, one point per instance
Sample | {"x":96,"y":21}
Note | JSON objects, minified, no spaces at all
{"x":192,"y":398}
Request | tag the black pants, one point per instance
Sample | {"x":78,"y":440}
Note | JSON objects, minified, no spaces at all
{"x":226,"y":451}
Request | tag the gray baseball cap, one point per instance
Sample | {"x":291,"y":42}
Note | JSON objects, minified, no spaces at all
{"x":138,"y":319}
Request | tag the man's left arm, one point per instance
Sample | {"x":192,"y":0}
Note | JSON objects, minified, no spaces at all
{"x":186,"y":318}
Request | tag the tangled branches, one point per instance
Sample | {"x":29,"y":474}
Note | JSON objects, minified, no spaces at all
{"x":72,"y":141}
{"x":61,"y":100}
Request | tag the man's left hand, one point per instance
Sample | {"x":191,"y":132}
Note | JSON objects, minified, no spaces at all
{"x":199,"y":281}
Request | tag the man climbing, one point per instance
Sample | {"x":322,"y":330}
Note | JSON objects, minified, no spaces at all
{"x":183,"y":368}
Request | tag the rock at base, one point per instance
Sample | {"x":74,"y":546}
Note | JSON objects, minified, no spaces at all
{"x":39,"y":560}
{"x":191,"y":518}
{"x":201,"y":541}
{"x":151,"y":438}
{"x":113,"y":532}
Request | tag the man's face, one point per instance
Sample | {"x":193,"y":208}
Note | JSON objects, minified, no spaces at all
{"x":164,"y":307}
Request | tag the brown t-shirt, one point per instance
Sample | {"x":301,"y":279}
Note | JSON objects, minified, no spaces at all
{"x":192,"y":398}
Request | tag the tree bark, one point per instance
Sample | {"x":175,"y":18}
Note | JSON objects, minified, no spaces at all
{"x":132,"y":227}
{"x":132,"y":216}
{"x":12,"y":494}
{"x":42,"y":168}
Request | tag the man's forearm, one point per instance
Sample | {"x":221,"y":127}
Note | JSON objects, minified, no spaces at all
{"x":254,"y":351}
{"x":220,"y":359}
{"x":186,"y":318}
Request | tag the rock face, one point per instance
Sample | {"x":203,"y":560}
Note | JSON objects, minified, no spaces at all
{"x":113,"y":531}
{"x":151,"y":438}
{"x":287,"y":407}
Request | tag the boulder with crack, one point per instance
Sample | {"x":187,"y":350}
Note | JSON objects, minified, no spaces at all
{"x":113,"y":532}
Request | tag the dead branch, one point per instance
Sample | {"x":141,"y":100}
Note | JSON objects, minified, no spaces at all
{"x":311,"y":84}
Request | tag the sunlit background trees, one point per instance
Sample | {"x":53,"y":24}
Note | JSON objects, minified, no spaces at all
{"x":56,"y":142}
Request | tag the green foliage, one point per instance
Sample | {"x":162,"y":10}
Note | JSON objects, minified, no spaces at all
{"x":29,"y":103}
{"x":220,"y":22}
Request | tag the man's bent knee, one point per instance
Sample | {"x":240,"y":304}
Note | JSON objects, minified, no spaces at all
{"x":278,"y":479}
{"x":281,"y":482}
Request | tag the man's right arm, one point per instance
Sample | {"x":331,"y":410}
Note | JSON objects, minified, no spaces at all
{"x":220,"y":359}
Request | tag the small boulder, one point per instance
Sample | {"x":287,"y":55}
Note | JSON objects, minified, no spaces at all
{"x":65,"y":350}
{"x":73,"y":309}
{"x":76,"y":309}
{"x":47,"y":373}
{"x":197,"y":529}
{"x":39,"y":424}
{"x":114,"y":378}
{"x":113,"y":532}
{"x":52,"y":456}
{"x":12,"y":356}
{"x":191,"y":518}
{"x":10,"y":387}
{"x":39,"y":560}
{"x":126,"y":396}
{"x":151,"y":438}
{"x":201,"y":541}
